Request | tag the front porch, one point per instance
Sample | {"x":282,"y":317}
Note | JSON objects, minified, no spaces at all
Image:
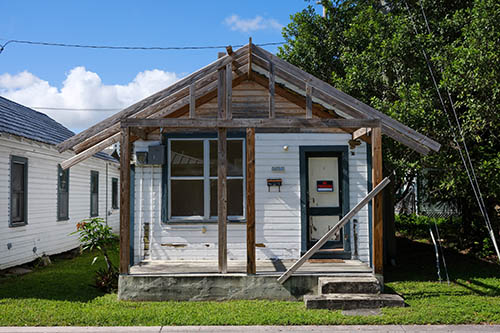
{"x":199,"y":280}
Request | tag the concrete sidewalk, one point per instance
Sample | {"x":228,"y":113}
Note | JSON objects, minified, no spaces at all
{"x":254,"y":329}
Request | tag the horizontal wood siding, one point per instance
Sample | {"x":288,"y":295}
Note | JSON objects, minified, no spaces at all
{"x":278,"y":217}
{"x":43,"y":231}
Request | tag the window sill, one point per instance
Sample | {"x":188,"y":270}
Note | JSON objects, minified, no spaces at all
{"x":63,"y":219}
{"x":17,"y":225}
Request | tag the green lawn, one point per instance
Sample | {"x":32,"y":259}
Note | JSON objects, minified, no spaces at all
{"x":61,"y":295}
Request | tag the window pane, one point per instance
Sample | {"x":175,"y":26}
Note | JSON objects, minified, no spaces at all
{"x":187,"y":197}
{"x":63,"y":180}
{"x":186,"y":158}
{"x":114,"y":193}
{"x":17,"y":198}
{"x":94,"y":204}
{"x":234,"y":194}
{"x":234,"y":158}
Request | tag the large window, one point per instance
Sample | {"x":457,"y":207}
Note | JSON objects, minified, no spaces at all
{"x":62,"y":194}
{"x":94,"y":193}
{"x":18,"y":191}
{"x":192,"y":179}
{"x":114,"y":193}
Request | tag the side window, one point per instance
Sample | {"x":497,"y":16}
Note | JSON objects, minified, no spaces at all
{"x":114,"y":193}
{"x":62,"y":194}
{"x":18,"y":191}
{"x":94,"y":193}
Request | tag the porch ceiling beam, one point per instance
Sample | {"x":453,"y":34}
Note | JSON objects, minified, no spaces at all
{"x":345,"y":99}
{"x":361,"y":133}
{"x":151,"y":100}
{"x":251,"y":122}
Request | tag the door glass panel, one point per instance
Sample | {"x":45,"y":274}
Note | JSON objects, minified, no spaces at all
{"x":187,"y":197}
{"x":323,"y":170}
{"x":320,"y":225}
{"x":186,"y":158}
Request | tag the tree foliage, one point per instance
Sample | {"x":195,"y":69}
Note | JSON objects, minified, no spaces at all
{"x":369,"y":49}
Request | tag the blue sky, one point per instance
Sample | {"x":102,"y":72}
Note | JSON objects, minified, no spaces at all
{"x":140,"y":23}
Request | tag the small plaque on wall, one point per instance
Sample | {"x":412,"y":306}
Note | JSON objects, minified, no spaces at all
{"x":278,"y":169}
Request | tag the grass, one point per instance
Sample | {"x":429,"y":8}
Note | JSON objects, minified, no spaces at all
{"x":61,"y":295}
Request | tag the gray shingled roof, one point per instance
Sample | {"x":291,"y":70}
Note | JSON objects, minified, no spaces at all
{"x":22,"y":121}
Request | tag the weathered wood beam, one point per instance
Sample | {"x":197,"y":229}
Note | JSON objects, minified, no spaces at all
{"x":250,"y":204}
{"x":125,"y":156}
{"x":377,"y":207}
{"x":153,"y":99}
{"x":141,"y":133}
{"x":229,"y":50}
{"x":250,"y":58}
{"x":252,"y":122}
{"x":228,"y":84}
{"x":192,"y":101}
{"x":345,"y":99}
{"x":333,"y":231}
{"x":222,"y":198}
{"x":309,"y":102}
{"x":90,"y":152}
{"x":272,"y":109}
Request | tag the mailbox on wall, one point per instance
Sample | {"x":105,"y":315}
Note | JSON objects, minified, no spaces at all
{"x":324,"y":186}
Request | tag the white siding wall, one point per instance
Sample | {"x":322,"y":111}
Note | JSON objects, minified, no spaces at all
{"x":43,"y":231}
{"x":278,"y":221}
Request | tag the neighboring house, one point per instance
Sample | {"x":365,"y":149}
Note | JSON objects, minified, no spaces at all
{"x":298,"y":158}
{"x":41,"y":203}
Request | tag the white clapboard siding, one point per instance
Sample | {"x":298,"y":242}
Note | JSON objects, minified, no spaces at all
{"x":278,"y":216}
{"x":44,"y":234}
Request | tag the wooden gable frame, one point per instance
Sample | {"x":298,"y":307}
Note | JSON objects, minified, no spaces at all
{"x":326,"y":109}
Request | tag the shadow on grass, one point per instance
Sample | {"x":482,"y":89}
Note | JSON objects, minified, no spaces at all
{"x":417,"y":262}
{"x":64,"y":280}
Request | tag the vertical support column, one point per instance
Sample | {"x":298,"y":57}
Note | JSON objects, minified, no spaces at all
{"x":229,"y":91}
{"x":250,"y":58}
{"x":222,"y":198}
{"x":309,"y":112}
{"x":272,"y":112}
{"x":250,"y":172}
{"x":125,"y":153}
{"x":377,"y":207}
{"x":192,"y":101}
{"x":222,"y":172}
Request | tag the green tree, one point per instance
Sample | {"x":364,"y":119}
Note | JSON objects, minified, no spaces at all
{"x":369,"y":50}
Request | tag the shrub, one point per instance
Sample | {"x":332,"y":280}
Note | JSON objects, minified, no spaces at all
{"x":94,"y":234}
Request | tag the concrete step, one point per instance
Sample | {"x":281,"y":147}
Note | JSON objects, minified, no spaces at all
{"x":352,"y":301}
{"x":348,"y":285}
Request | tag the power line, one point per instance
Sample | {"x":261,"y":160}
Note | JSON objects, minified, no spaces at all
{"x":75,"y":109}
{"x":115,"y":47}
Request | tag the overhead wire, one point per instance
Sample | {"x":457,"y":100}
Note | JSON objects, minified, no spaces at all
{"x":119,"y":47}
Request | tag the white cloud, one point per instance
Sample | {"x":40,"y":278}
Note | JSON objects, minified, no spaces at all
{"x":82,"y":89}
{"x":236,"y":23}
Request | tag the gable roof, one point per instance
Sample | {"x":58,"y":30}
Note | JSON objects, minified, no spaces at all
{"x":22,"y":121}
{"x":247,"y":63}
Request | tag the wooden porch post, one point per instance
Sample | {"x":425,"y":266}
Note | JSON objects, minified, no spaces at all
{"x":125,"y":152}
{"x":222,"y":171}
{"x":251,"y":263}
{"x":377,"y":207}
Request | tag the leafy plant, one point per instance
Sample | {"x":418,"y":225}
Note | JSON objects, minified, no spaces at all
{"x":94,"y":234}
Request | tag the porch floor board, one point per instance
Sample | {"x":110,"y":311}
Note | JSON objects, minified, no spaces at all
{"x":238,"y":267}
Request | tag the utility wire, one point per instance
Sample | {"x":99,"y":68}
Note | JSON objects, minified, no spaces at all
{"x":473,"y":182}
{"x":75,"y":109}
{"x":114,"y":47}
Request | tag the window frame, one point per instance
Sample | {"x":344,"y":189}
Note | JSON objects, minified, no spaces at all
{"x":92,"y":173}
{"x":114,"y":195}
{"x":206,"y":178}
{"x":19,"y":160}
{"x":59,"y":216}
